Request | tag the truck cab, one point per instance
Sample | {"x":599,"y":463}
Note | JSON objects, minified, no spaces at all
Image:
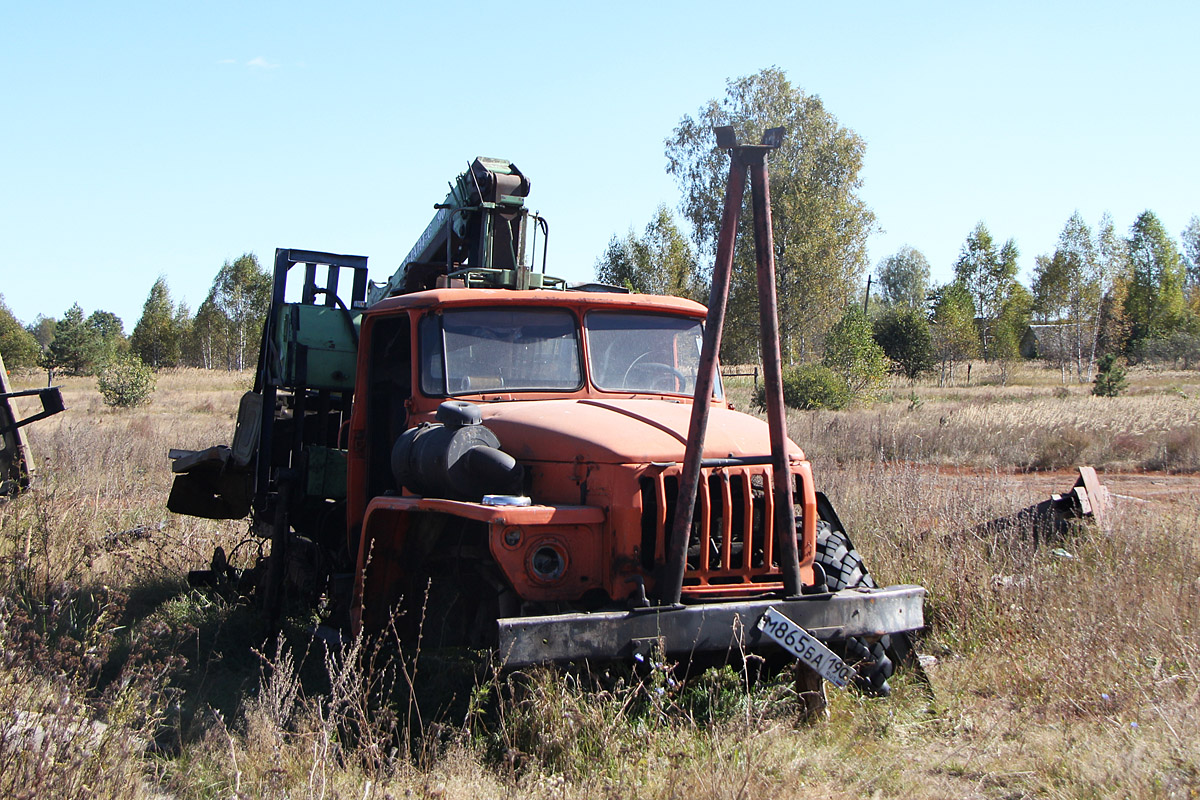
{"x":590,"y":394}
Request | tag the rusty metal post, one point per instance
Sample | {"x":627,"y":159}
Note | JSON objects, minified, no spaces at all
{"x":671,"y":587}
{"x":768,"y":315}
{"x":718,"y":296}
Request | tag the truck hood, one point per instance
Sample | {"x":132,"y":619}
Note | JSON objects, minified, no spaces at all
{"x":620,"y":431}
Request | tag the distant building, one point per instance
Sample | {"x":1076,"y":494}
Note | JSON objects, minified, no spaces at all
{"x":1053,"y":342}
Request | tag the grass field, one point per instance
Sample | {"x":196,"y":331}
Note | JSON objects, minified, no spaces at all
{"x":1068,"y":669}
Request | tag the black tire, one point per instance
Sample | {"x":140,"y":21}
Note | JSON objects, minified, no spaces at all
{"x":844,"y":569}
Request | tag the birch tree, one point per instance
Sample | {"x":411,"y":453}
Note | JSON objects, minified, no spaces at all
{"x":821,"y":224}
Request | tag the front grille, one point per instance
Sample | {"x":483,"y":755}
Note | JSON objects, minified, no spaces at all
{"x":731,"y":538}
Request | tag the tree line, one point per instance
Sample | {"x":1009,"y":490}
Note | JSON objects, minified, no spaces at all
{"x":223,"y":333}
{"x":1135,"y":295}
{"x":1099,"y":292}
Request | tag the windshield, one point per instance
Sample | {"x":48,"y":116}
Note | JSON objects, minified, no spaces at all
{"x":638,"y":352}
{"x":466,"y":351}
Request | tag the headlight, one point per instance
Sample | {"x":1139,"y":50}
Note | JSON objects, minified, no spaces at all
{"x":547,"y":561}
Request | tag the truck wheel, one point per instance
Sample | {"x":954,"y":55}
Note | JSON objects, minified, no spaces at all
{"x":460,"y":609}
{"x":844,"y":569}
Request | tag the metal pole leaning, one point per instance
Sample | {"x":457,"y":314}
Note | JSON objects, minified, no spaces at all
{"x":671,"y":587}
{"x":689,"y":479}
{"x":768,"y":315}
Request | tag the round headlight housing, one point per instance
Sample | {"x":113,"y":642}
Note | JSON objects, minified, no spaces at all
{"x":547,"y":561}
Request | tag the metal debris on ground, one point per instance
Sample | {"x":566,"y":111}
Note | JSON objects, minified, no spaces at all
{"x":1050,"y":520}
{"x":16,"y":460}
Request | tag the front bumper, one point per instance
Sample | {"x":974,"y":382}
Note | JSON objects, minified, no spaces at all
{"x":705,"y":628}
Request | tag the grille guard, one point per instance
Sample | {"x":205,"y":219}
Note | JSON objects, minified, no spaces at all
{"x":733,"y":540}
{"x":707,"y":627}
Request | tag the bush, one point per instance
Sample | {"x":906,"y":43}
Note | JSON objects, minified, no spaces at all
{"x":1180,"y":349}
{"x":808,"y":387}
{"x":126,"y":382}
{"x":851,"y":352}
{"x":904,"y":335}
{"x":1110,"y":377}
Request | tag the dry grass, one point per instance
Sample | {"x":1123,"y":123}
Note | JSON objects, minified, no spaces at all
{"x":1036,"y":425}
{"x":1068,"y":669}
{"x":1037,"y":433}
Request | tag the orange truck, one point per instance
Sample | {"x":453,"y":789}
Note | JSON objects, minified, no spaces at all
{"x":479,"y":452}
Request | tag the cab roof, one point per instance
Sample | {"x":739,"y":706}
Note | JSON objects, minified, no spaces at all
{"x":435,"y":298}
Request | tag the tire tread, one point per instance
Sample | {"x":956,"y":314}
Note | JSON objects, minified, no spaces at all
{"x":845,"y":569}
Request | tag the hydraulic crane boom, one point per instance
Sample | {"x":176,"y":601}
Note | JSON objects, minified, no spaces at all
{"x":479,"y":226}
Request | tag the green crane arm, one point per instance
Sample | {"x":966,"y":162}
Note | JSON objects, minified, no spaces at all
{"x":480,"y":225}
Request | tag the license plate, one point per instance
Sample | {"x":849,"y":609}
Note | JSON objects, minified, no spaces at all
{"x":806,"y":647}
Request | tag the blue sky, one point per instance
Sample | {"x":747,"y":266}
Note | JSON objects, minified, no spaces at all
{"x":139,"y":139}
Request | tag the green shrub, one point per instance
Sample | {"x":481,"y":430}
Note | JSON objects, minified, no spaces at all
{"x":808,"y":387}
{"x":851,"y":352}
{"x":126,"y":382}
{"x":1110,"y":377}
{"x":1180,"y":349}
{"x":904,"y":335}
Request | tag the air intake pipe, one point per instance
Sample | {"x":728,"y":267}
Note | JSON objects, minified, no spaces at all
{"x":455,"y":458}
